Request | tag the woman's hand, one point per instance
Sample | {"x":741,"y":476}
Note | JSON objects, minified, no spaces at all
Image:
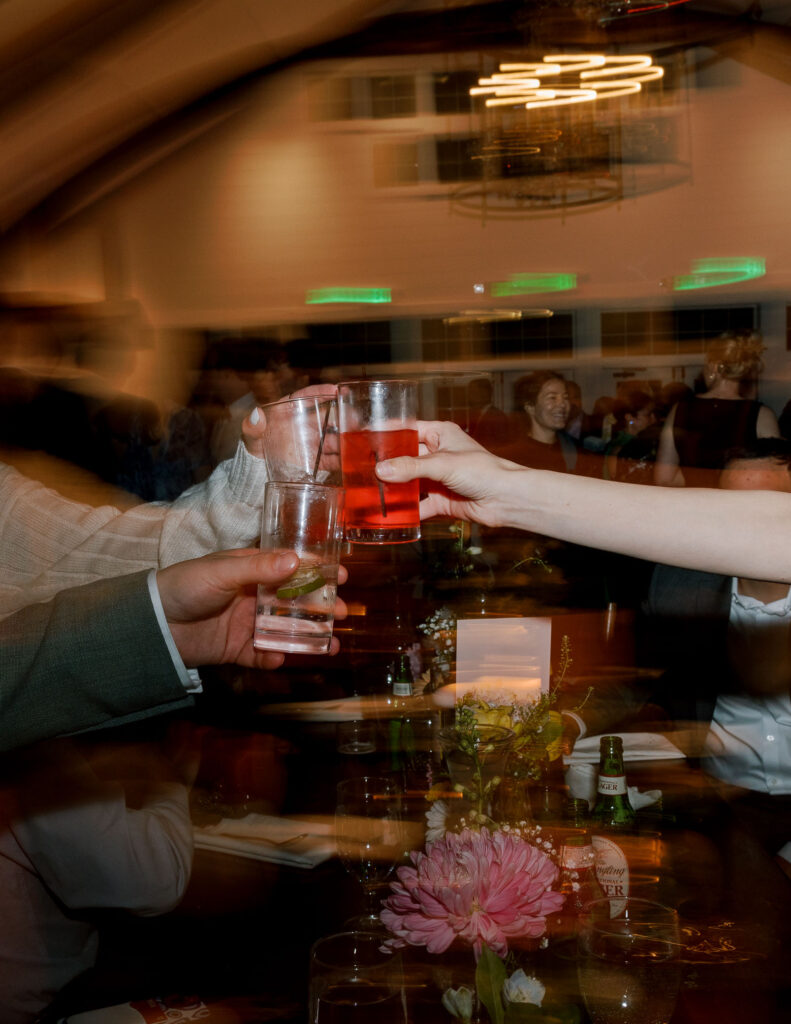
{"x":477,"y":485}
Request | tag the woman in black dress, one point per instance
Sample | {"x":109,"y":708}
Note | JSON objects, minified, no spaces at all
{"x":699,"y":431}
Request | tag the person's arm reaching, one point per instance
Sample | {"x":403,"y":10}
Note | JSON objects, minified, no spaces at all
{"x":51,"y":543}
{"x":96,"y":655}
{"x":735,"y":533}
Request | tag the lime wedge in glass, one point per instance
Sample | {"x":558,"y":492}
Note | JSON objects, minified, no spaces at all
{"x":304,"y":580}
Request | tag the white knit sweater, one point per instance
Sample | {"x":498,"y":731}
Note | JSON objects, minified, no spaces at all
{"x":49,"y":543}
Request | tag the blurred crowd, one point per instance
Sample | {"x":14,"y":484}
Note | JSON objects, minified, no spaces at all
{"x":672,"y":434}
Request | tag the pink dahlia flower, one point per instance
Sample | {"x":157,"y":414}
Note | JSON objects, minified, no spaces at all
{"x":480,"y":887}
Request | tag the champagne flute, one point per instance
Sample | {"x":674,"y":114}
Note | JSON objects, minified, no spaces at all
{"x":370,"y":838}
{"x":628,"y":967}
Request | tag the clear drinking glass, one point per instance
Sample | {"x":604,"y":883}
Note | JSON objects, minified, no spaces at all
{"x":300,"y":440}
{"x":296,"y":616}
{"x":371,"y":838}
{"x":628,"y":968}
{"x":378,"y":421}
{"x":352,"y":981}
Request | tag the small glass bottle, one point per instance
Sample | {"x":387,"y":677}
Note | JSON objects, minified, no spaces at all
{"x":402,"y":681}
{"x":400,"y":687}
{"x":613,"y":810}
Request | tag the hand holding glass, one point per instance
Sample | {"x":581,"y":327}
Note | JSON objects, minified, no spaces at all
{"x":297,"y":615}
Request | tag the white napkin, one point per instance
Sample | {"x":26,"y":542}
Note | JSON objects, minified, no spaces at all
{"x":246,"y":837}
{"x":637,"y":746}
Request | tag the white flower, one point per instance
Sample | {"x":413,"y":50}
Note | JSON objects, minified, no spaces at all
{"x":523,"y":988}
{"x":436,"y":820}
{"x":458,"y":1002}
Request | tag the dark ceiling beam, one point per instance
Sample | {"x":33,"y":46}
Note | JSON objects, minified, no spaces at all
{"x":36,"y":61}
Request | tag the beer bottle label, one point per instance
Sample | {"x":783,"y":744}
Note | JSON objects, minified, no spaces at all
{"x":402,"y":689}
{"x":612,"y":869}
{"x":612,"y":785}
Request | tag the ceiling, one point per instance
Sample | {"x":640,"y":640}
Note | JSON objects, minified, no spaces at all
{"x":89,"y":89}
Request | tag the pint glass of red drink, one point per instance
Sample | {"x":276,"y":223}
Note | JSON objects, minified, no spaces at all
{"x":378,"y":421}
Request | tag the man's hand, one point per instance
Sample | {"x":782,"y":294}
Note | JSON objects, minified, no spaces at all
{"x":477,"y":482}
{"x":209,"y":604}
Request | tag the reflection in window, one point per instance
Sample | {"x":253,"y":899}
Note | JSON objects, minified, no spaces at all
{"x":350,"y":344}
{"x":393,"y":96}
{"x":452,"y":91}
{"x":540,"y":337}
{"x":670,"y":331}
{"x":456,"y":159}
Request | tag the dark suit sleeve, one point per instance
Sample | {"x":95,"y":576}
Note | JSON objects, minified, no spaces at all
{"x":93,"y":656}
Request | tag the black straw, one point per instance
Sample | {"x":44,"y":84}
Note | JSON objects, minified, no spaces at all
{"x":321,"y":439}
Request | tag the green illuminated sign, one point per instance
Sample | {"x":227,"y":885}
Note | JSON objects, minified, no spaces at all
{"x":527,"y":284}
{"x":711,"y":273}
{"x":317,"y":296}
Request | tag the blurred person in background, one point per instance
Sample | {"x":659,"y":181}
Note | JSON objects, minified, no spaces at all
{"x":229,"y":367}
{"x":576,"y":418}
{"x":671,"y":393}
{"x":634,"y":418}
{"x":487,"y":423}
{"x":597,"y":428}
{"x":66,"y":419}
{"x":784,"y":421}
{"x":538,"y":437}
{"x":700,"y":430}
{"x":114,"y":834}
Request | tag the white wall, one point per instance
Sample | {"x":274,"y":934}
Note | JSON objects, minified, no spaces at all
{"x":235,"y":229}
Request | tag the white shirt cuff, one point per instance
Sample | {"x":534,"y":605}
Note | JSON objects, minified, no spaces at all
{"x":582,"y":727}
{"x":189,"y":677}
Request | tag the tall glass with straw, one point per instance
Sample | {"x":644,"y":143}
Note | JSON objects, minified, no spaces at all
{"x":302,"y":512}
{"x":378,"y":421}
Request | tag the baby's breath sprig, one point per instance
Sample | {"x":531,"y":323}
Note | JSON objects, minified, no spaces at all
{"x":566,"y":662}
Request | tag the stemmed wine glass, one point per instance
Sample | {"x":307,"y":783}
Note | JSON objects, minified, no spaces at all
{"x":628,"y":967}
{"x":370,"y":838}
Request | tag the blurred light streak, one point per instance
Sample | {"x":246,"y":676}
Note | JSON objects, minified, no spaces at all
{"x":600,"y":77}
{"x":711,"y":273}
{"x":327,"y":296}
{"x":526,"y":284}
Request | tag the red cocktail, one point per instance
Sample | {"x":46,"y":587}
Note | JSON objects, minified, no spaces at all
{"x":377,"y":512}
{"x":378,"y":422}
